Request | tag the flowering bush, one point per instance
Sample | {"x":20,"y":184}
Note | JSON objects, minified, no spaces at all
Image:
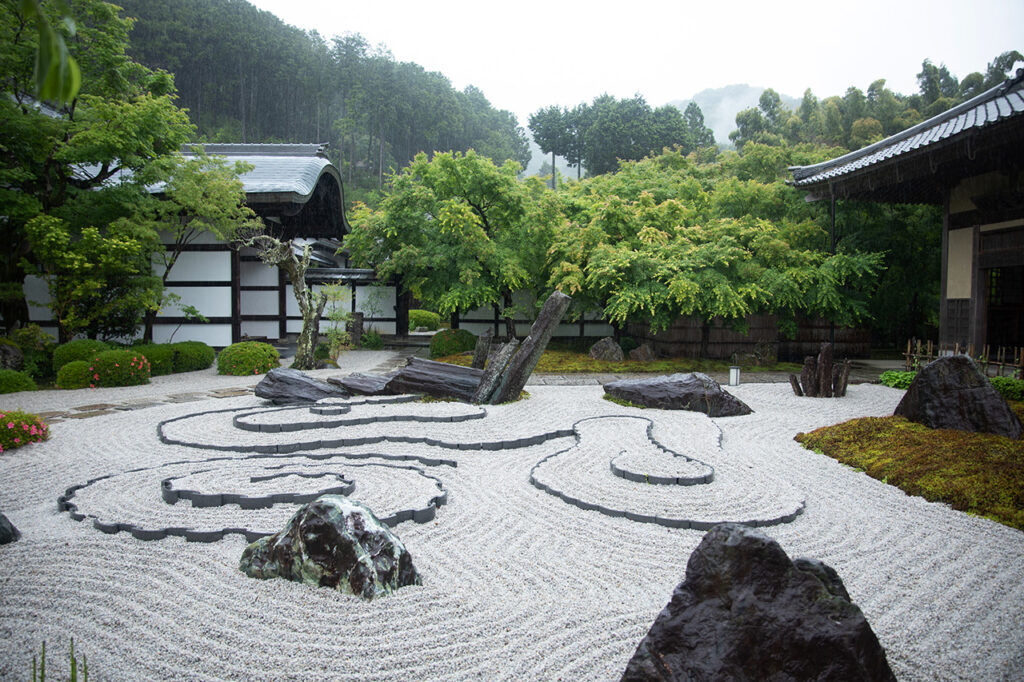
{"x":75,"y":374}
{"x":119,"y":368}
{"x":12,"y":381}
{"x":21,"y":428}
{"x":247,"y":357}
{"x":160,"y":356}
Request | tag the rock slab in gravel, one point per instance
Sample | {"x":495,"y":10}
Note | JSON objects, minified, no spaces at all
{"x":606,"y":349}
{"x":747,"y":612}
{"x":952,"y":393}
{"x":696,"y":392}
{"x":334,"y":542}
{"x":8,"y":533}
{"x":438,"y":379}
{"x":358,"y":383}
{"x":284,"y":386}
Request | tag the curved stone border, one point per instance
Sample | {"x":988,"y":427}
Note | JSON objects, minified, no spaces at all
{"x":420,"y":515}
{"x":199,"y":500}
{"x":637,"y":477}
{"x":667,"y":522}
{"x":329,"y":409}
{"x":237,"y":422}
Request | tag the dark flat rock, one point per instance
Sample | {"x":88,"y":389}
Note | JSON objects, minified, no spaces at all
{"x":358,"y":383}
{"x":284,"y":386}
{"x":8,"y":533}
{"x":696,"y":392}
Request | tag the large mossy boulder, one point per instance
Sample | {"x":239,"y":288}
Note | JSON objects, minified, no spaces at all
{"x":952,"y":393}
{"x":334,"y":542}
{"x":696,"y":392}
{"x":747,"y":612}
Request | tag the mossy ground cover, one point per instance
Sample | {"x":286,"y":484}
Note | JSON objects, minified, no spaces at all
{"x":977,"y":473}
{"x":571,"y":362}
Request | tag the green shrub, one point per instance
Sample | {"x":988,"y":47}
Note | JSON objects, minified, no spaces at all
{"x":371,"y":340}
{"x":322,"y":352}
{"x":37,"y":346}
{"x":450,"y":342}
{"x":76,"y":374}
{"x":247,"y":357}
{"x":1011,"y":389}
{"x":19,"y":428}
{"x":160,"y":356}
{"x":12,"y":381}
{"x":897,"y":379}
{"x":628,"y":343}
{"x":190,"y":356}
{"x":79,"y":349}
{"x":119,"y":368}
{"x":424,"y":318}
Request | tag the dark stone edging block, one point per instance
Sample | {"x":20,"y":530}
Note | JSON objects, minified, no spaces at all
{"x":238,"y":423}
{"x":200,"y":500}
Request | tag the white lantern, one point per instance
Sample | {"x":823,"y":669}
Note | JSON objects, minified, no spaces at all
{"x":734,"y":376}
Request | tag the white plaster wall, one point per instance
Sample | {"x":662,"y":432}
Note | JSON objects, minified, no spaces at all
{"x":210,"y":301}
{"x":958,"y":263}
{"x":204,"y":266}
{"x":38,"y":296}
{"x":259,"y":303}
{"x":257,"y":274}
{"x":217,"y":335}
{"x":267,"y":329}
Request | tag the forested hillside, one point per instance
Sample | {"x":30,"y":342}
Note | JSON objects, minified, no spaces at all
{"x":245,"y":76}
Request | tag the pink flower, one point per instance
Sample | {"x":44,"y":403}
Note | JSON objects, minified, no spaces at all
{"x":17,"y":440}
{"x":96,"y":377}
{"x":116,"y":365}
{"x":10,"y":425}
{"x":92,"y":386}
{"x":24,"y":427}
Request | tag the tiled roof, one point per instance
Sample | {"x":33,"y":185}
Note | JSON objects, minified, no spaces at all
{"x":1005,"y":101}
{"x":291,"y":169}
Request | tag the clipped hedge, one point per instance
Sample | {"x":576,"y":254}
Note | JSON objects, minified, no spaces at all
{"x":247,"y":357}
{"x":12,"y":381}
{"x":19,"y":428}
{"x":75,"y":374}
{"x":160,"y":356}
{"x":424,"y":318}
{"x":190,"y":356}
{"x":79,"y":349}
{"x":450,"y":342}
{"x":119,"y":368}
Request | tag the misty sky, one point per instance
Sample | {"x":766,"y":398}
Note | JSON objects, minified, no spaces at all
{"x":529,"y":54}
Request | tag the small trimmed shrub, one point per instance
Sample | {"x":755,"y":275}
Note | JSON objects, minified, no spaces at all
{"x":424,"y":318}
{"x":19,"y":428}
{"x":160,"y":356}
{"x":897,"y":379}
{"x":12,"y":381}
{"x":79,"y":349}
{"x":247,"y":357}
{"x":75,"y":374}
{"x":322,"y":352}
{"x":1011,"y":389}
{"x":190,"y":356}
{"x":371,"y":340}
{"x":450,"y":342}
{"x":119,"y":368}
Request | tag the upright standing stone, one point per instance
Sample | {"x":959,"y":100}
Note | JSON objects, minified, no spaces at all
{"x":840,"y":378}
{"x":495,"y":371}
{"x":607,"y":350}
{"x":825,"y":371}
{"x":809,"y":377}
{"x":795,"y":383}
{"x":526,"y":359}
{"x":483,"y":348}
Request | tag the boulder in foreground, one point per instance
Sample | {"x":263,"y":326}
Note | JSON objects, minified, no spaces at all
{"x":284,"y":386}
{"x":747,"y":612}
{"x":8,"y":533}
{"x":334,"y":542}
{"x":696,"y":392}
{"x":952,"y":393}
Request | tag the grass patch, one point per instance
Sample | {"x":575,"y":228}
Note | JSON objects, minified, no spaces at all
{"x":572,"y":362}
{"x":976,"y":473}
{"x":622,"y":401}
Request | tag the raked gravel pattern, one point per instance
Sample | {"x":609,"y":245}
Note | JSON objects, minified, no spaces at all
{"x":517,"y":583}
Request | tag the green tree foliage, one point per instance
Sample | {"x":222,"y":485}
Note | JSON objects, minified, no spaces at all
{"x":457,"y":231}
{"x":245,"y":76}
{"x":550,"y":128}
{"x":76,"y":167}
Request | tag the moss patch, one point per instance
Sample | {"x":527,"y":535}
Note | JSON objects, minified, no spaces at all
{"x":570,"y":362}
{"x":977,"y":473}
{"x":622,"y":401}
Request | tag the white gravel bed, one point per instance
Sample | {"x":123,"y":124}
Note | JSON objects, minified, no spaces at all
{"x":517,"y":584}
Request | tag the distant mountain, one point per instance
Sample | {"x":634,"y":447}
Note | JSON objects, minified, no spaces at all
{"x":720,"y":106}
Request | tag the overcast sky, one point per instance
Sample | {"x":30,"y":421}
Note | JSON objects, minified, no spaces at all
{"x":529,"y":54}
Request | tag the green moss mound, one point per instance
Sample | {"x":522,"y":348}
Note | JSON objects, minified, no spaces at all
{"x":120,"y":368}
{"x":19,"y":428}
{"x":247,"y":357}
{"x":79,"y":349}
{"x":977,"y":473}
{"x":13,"y":381}
{"x":371,"y":340}
{"x":191,"y":356}
{"x":424,"y":318}
{"x":450,"y":342}
{"x":76,"y":374}
{"x":160,"y":356}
